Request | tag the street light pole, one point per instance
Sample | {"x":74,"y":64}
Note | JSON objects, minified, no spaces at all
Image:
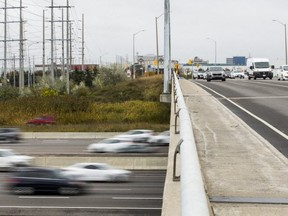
{"x":134,"y":68}
{"x":157,"y":50}
{"x":285,"y":35}
{"x":215,"y":43}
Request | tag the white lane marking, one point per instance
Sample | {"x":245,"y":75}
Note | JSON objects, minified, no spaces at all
{"x":116,"y":189}
{"x":271,"y":84}
{"x":54,"y":141}
{"x":269,"y":97}
{"x":248,"y":112}
{"x":62,"y":207}
{"x":42,"y":197}
{"x":137,"y":198}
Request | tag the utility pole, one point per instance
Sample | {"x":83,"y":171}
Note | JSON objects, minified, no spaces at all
{"x":5,"y":42}
{"x":63,"y":46}
{"x":82,"y":42}
{"x":52,"y":42}
{"x":62,"y":39}
{"x":68,"y":51}
{"x":20,"y":40}
{"x":43,"y":56}
{"x":21,"y":58}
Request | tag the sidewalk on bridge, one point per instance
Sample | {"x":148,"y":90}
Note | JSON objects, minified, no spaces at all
{"x":244,"y":174}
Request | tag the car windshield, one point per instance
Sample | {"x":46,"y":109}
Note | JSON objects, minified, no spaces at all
{"x":285,"y":68}
{"x":261,"y":64}
{"x":109,"y":141}
{"x":216,"y":69}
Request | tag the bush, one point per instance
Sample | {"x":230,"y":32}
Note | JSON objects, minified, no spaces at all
{"x":8,"y":92}
{"x":130,"y":103}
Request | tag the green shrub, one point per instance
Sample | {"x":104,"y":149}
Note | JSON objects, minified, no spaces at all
{"x":8,"y":92}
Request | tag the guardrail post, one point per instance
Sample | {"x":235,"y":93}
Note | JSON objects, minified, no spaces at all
{"x":176,"y":117}
{"x":177,"y":151}
{"x":175,"y":101}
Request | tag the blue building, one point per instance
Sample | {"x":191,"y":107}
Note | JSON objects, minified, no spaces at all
{"x":239,"y":60}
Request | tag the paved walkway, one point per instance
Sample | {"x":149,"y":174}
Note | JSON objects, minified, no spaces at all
{"x":244,"y":174}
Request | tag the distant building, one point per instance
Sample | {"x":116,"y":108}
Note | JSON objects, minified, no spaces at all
{"x":149,"y":62}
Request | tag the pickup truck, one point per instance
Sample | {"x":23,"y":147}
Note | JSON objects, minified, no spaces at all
{"x":282,"y":72}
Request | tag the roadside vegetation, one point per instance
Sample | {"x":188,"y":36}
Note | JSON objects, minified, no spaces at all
{"x":107,"y":102}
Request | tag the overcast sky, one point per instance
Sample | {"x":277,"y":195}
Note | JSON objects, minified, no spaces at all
{"x":239,"y":27}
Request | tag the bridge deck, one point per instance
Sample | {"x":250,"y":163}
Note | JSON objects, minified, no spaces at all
{"x":244,"y":174}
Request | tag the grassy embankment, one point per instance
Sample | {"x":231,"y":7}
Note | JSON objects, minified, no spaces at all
{"x":127,"y":105}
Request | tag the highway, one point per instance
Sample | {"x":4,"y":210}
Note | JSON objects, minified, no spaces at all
{"x":63,"y":147}
{"x":262,"y":104}
{"x":140,"y":196}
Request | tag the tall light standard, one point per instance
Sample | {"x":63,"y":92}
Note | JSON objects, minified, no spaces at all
{"x":134,"y":68}
{"x":285,"y":35}
{"x":157,"y":50}
{"x":215,"y":43}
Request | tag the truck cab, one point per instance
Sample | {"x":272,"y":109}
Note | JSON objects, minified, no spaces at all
{"x":259,"y":68}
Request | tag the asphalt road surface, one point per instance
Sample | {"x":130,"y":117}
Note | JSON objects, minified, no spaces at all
{"x":62,"y":146}
{"x":140,"y":196}
{"x":262,"y":104}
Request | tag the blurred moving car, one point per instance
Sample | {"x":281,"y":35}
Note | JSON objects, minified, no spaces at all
{"x":10,"y":134}
{"x":138,"y":148}
{"x":201,"y":75}
{"x":160,"y":139}
{"x":239,"y":74}
{"x":229,"y":74}
{"x":9,"y":159}
{"x":42,"y":120}
{"x":111,"y":145}
{"x":96,"y":172}
{"x":138,"y":135}
{"x":282,"y":72}
{"x":117,"y":145}
{"x":30,"y":180}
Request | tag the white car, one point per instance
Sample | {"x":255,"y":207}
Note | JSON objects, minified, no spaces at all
{"x":110,"y":145}
{"x":139,"y":135}
{"x":282,"y":72}
{"x":9,"y":159}
{"x":96,"y":172}
{"x":160,"y":139}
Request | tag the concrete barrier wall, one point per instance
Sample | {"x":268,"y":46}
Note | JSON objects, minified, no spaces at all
{"x":131,"y":163}
{"x":69,"y":135}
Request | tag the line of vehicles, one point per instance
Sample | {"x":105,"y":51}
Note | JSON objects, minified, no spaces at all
{"x":255,"y":68}
{"x":72,"y":180}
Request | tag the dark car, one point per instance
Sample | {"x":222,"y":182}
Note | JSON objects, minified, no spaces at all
{"x":31,"y":180}
{"x":42,"y":120}
{"x":10,"y":134}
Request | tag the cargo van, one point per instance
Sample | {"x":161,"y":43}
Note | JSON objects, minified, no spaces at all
{"x":259,"y":68}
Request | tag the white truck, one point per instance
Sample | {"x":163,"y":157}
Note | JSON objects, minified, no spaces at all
{"x":282,"y":72}
{"x":259,"y":68}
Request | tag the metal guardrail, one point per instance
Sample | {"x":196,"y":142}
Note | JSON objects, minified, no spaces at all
{"x":194,"y":200}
